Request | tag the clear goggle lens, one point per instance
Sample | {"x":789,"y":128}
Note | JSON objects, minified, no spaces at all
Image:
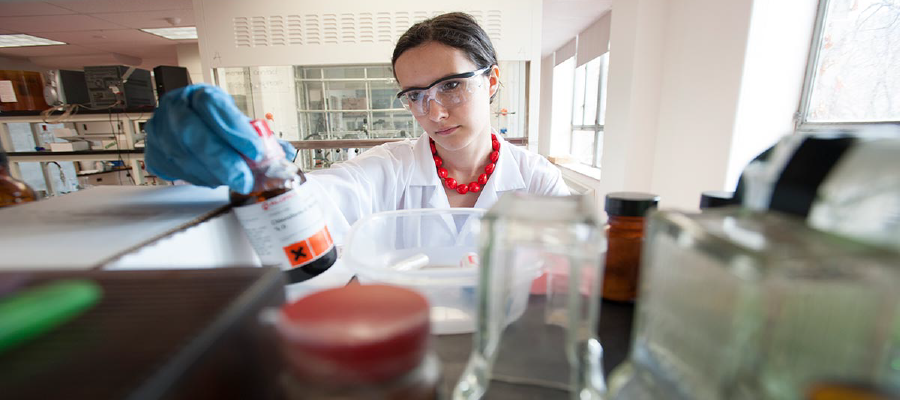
{"x":448,"y":92}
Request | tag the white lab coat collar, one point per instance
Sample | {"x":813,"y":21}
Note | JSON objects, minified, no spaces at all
{"x":424,"y":173}
{"x":507,"y":175}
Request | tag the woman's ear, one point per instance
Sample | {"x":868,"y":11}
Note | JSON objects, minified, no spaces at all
{"x":494,"y":80}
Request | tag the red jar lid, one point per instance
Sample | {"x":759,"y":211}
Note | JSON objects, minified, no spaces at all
{"x":355,"y":334}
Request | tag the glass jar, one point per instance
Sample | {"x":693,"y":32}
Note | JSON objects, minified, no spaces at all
{"x":625,"y":237}
{"x":358,"y":342}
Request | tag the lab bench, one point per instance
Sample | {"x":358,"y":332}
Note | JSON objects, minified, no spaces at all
{"x":120,"y":349}
{"x":166,"y":229}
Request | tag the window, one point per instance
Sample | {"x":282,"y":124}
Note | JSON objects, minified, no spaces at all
{"x":589,"y":111}
{"x":560,"y":119}
{"x":350,"y":103}
{"x":852,"y":76}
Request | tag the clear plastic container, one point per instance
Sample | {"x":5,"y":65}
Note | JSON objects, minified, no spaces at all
{"x":391,"y":247}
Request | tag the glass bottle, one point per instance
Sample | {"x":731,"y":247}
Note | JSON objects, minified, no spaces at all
{"x":12,"y":190}
{"x":739,"y":304}
{"x":625,"y":236}
{"x":281,"y":217}
{"x":536,"y":338}
{"x":715,"y":199}
{"x":358,"y":342}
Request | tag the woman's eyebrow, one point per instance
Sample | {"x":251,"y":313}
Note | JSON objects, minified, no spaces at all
{"x":432,"y":83}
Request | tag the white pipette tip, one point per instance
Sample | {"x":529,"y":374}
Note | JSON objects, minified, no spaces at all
{"x":417,"y":261}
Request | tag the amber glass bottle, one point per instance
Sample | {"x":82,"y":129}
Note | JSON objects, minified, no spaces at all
{"x":281,"y":217}
{"x":625,"y":238}
{"x":12,"y":190}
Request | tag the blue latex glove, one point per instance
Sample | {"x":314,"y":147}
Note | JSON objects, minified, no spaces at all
{"x":198,"y":135}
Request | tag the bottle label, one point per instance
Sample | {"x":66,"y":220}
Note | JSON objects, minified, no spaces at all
{"x":287,"y":230}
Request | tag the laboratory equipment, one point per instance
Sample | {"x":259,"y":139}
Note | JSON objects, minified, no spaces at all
{"x":281,"y":216}
{"x":842,"y":181}
{"x":741,"y":304}
{"x":548,"y":349}
{"x":119,"y":86}
{"x":358,"y":342}
{"x":625,"y":236}
{"x":715,"y":199}
{"x":391,"y":248}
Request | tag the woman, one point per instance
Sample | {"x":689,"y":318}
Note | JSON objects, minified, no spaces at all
{"x":448,"y":74}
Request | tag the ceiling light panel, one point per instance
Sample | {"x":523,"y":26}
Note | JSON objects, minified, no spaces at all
{"x":186,"y":32}
{"x":22,"y":40}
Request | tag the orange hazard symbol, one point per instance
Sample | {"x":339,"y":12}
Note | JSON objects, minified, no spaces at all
{"x":310,"y":248}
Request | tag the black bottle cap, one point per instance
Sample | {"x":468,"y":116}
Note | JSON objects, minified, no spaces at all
{"x":715,"y":199}
{"x":630,"y":204}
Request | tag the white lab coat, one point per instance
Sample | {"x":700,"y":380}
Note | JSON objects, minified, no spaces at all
{"x":402,"y":176}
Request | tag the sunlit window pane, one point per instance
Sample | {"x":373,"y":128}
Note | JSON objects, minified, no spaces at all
{"x":583,"y":146}
{"x":857,"y":76}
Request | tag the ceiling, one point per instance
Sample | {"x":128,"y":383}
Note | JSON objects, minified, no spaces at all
{"x":98,"y":32}
{"x":563,"y":19}
{"x":103,"y":32}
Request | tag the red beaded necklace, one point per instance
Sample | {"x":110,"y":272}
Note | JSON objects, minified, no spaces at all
{"x":475,"y":186}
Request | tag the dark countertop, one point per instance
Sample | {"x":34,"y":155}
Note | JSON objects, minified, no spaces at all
{"x":615,"y":336}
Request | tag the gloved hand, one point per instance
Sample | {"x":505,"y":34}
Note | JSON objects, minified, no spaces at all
{"x":198,"y":135}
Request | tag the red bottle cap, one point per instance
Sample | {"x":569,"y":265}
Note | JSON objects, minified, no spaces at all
{"x":273,"y":150}
{"x":355,"y":334}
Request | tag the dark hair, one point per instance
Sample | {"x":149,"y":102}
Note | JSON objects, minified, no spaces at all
{"x":454,"y":29}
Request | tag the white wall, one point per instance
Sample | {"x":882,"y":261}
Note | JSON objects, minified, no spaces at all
{"x":688,"y":96}
{"x":189,"y":57}
{"x":635,"y":75}
{"x":705,"y":43}
{"x":773,"y":78}
{"x":542,"y":135}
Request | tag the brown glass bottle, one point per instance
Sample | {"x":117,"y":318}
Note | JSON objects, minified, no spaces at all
{"x":12,"y":190}
{"x":625,"y":239}
{"x":281,"y":218}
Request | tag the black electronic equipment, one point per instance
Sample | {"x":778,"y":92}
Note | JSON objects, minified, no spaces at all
{"x":65,"y":87}
{"x":118,"y":86}
{"x":169,"y":78}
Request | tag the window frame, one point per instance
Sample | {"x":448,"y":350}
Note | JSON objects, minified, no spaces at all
{"x":801,"y":121}
{"x":597,"y":127}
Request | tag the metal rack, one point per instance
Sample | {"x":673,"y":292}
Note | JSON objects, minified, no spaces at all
{"x":130,"y":155}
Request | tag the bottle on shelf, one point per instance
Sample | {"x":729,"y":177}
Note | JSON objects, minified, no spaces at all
{"x":281,"y":217}
{"x":625,"y":236}
{"x":12,"y":190}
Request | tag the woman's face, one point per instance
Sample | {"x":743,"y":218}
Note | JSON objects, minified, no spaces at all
{"x":454,"y":127}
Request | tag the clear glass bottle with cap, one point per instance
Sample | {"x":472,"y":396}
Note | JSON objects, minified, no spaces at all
{"x":281,"y":217}
{"x":715,"y":199}
{"x":625,"y":237}
{"x":358,"y":342}
{"x":12,"y":190}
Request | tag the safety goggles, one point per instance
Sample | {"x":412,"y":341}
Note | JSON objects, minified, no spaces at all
{"x":449,"y":91}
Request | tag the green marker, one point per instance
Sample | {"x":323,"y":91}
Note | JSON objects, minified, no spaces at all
{"x":34,"y":311}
